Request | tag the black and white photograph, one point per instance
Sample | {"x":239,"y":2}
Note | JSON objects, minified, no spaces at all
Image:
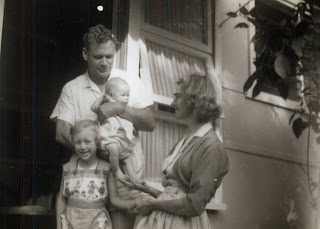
{"x":160,"y":114}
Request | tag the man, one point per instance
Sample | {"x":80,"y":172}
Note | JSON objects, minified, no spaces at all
{"x":78,"y":95}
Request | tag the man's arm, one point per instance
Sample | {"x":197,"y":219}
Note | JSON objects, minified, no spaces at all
{"x":63,"y":133}
{"x":142,"y":119}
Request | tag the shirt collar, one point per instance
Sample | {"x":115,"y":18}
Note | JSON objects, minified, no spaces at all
{"x":88,"y":83}
{"x":203,"y":130}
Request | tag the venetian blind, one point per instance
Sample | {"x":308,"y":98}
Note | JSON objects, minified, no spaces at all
{"x":167,"y":66}
{"x":187,"y":18}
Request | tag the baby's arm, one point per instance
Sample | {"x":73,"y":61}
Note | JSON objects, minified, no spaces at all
{"x":113,"y":193}
{"x":60,"y":204}
{"x":130,"y":170}
{"x":96,"y":105}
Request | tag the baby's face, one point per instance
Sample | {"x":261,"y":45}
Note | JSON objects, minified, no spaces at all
{"x":121,"y":93}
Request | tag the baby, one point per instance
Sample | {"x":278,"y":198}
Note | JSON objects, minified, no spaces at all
{"x":116,"y":134}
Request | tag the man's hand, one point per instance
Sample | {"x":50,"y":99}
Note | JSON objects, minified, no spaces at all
{"x":110,"y":109}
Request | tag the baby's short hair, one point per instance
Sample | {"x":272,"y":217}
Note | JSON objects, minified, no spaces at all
{"x":112,"y":83}
{"x":85,"y":124}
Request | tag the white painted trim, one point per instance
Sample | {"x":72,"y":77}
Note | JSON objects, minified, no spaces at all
{"x":174,"y":37}
{"x":181,"y":47}
{"x":261,"y":151}
{"x":145,"y":69}
{"x":162,"y":99}
{"x":288,"y":3}
{"x":133,"y":38}
{"x":116,"y":63}
{"x":1,"y":21}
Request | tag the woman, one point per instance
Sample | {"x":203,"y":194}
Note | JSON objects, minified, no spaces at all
{"x":194,"y":168}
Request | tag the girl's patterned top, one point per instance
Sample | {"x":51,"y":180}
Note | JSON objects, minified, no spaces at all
{"x":86,"y":184}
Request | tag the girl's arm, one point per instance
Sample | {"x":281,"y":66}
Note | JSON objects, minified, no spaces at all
{"x":142,"y":187}
{"x":60,"y":204}
{"x":113,"y":193}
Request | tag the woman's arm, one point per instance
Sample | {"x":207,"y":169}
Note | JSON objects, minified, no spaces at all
{"x":60,"y":204}
{"x":181,"y":207}
{"x":113,"y":193}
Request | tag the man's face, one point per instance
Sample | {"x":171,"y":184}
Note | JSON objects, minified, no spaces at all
{"x":100,"y":59}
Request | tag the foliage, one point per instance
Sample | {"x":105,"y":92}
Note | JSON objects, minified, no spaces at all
{"x":283,"y":51}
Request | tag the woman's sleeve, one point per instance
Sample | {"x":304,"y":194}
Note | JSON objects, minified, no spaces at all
{"x":208,"y":167}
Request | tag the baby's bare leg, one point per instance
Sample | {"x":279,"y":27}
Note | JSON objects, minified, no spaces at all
{"x":130,"y":170}
{"x":114,"y":151}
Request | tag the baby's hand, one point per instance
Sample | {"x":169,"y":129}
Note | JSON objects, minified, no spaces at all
{"x":107,"y":98}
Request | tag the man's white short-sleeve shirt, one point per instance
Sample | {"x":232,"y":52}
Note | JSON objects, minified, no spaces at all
{"x":78,"y":95}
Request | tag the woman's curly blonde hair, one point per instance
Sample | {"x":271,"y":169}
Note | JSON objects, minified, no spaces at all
{"x":200,"y":91}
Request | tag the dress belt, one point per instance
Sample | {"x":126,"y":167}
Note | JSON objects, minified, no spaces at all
{"x":85,"y":204}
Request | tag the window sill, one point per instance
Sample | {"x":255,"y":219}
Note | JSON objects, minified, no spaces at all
{"x":275,"y":100}
{"x":27,"y":210}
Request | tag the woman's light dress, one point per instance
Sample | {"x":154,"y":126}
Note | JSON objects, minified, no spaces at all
{"x":194,"y":169}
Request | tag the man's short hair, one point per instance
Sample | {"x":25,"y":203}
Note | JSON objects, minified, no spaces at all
{"x":99,"y":34}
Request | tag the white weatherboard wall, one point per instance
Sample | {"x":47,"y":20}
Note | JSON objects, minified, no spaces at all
{"x":265,"y":187}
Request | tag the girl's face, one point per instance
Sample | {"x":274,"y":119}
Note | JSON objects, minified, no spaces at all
{"x":85,"y":144}
{"x":182,"y":105}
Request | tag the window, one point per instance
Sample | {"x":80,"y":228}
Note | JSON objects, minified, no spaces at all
{"x":274,"y":12}
{"x":175,"y":40}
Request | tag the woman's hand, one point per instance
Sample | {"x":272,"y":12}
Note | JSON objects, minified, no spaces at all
{"x":141,"y":206}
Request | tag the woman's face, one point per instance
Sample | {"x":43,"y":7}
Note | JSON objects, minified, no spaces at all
{"x":182,"y":105}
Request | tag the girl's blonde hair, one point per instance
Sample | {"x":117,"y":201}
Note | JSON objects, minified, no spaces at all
{"x":85,"y":124}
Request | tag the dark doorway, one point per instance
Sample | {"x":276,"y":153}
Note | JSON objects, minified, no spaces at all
{"x":40,"y":52}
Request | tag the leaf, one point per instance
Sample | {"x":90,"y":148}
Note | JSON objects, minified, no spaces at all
{"x":283,"y":89}
{"x":313,"y":105}
{"x":259,"y":46}
{"x":299,"y":126}
{"x":242,"y":25}
{"x":318,"y":139}
{"x":314,"y":123}
{"x":249,"y":82}
{"x":250,"y":19}
{"x":256,"y":90}
{"x":292,"y":116}
{"x":232,"y":14}
{"x":253,"y":12}
{"x":297,"y":45}
{"x":282,"y":65}
{"x":305,"y":90}
{"x":244,"y":11}
{"x":301,"y":29}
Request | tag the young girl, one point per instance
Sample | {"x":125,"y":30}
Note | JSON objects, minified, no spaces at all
{"x":89,"y":176}
{"x":116,"y":134}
